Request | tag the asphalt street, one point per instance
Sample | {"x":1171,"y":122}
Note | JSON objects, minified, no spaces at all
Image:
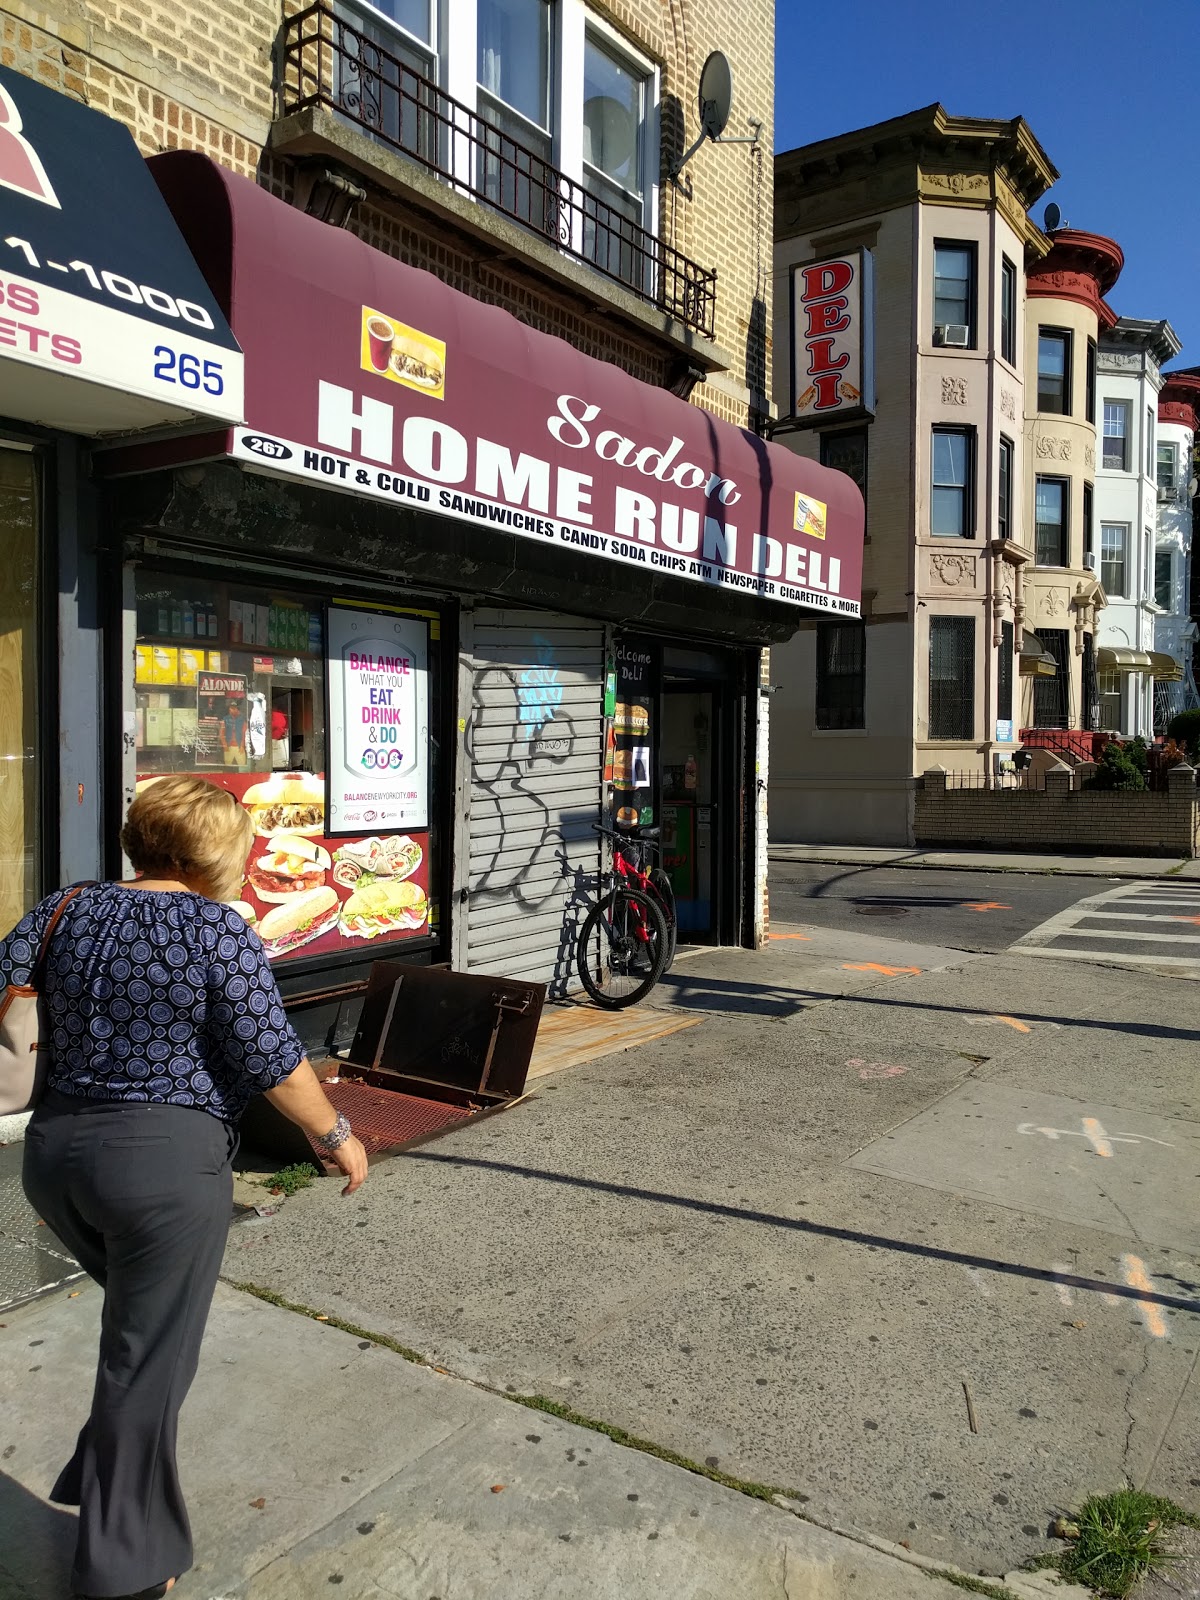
{"x":959,"y":910}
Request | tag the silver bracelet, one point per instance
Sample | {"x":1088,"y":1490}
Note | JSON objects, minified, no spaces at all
{"x":327,"y":1143}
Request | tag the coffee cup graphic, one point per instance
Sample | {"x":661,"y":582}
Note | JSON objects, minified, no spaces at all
{"x":382,"y":336}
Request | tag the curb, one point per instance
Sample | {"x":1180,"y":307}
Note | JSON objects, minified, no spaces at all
{"x":831,"y":860}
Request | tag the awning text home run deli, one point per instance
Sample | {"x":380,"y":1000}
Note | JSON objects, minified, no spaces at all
{"x":375,"y":378}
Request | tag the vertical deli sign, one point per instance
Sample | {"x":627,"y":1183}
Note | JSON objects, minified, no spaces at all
{"x":833,"y":338}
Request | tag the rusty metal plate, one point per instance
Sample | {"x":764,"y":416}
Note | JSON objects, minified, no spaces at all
{"x":465,"y":1033}
{"x":387,"y":1121}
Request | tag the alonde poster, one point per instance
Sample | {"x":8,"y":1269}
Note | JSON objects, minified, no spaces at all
{"x":378,"y":753}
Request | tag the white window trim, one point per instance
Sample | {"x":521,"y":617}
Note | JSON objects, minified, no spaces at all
{"x":1128,"y":559}
{"x":578,"y":22}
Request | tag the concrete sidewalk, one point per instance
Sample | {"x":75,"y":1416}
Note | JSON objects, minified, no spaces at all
{"x":862,"y":855}
{"x":316,"y":1462}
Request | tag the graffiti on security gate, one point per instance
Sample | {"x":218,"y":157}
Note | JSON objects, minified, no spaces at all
{"x":518,"y":727}
{"x":539,"y":693}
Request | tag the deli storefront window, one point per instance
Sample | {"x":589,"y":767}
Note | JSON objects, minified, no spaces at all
{"x":318,"y":719}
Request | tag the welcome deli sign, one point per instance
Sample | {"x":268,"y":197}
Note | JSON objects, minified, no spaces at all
{"x":371,"y":377}
{"x":833,"y":338}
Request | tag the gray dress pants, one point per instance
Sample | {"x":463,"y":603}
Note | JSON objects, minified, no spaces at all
{"x":142,"y":1195}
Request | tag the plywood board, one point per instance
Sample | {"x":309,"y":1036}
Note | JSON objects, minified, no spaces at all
{"x":573,"y":1033}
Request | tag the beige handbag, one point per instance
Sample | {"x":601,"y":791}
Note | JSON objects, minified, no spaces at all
{"x":24,"y":1034}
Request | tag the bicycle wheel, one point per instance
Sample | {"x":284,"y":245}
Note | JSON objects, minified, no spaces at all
{"x":621,"y":949}
{"x":661,"y":885}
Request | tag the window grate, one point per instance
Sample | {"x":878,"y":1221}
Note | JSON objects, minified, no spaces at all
{"x":952,"y":677}
{"x":1051,"y":697}
{"x":841,"y":674}
{"x":329,"y":60}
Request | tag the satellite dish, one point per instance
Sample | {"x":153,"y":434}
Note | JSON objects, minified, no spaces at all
{"x":611,"y":133}
{"x":1193,"y":485}
{"x":1052,"y":216}
{"x":716,"y":94}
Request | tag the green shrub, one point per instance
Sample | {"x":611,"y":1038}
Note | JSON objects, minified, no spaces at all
{"x":1184,"y":728}
{"x":1119,"y":767}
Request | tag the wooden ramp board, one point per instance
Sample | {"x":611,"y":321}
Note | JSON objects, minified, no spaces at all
{"x":572,"y":1034}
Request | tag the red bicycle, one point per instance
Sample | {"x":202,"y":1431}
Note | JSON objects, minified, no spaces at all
{"x":628,"y":938}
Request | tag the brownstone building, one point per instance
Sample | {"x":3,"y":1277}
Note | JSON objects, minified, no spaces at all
{"x":454,"y":240}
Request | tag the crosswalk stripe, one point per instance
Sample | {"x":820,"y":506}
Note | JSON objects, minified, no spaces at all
{"x":1119,"y":918}
{"x":1106,"y":956}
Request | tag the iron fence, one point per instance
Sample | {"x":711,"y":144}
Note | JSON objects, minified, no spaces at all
{"x":1028,"y":778}
{"x":337,"y":61}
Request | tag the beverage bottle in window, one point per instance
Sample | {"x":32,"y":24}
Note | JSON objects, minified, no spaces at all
{"x":189,"y":620}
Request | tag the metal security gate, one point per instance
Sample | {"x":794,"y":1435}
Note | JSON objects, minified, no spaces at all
{"x":532,"y":699}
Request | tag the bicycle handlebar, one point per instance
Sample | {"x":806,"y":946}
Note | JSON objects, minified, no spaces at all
{"x":627,"y":836}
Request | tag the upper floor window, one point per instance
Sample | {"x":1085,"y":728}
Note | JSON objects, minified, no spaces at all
{"x":1148,"y":452}
{"x":616,"y":94}
{"x":1004,"y":502}
{"x":1168,"y":470}
{"x":1050,"y":521}
{"x":1164,"y":578}
{"x":1089,"y":530}
{"x":846,"y":451}
{"x":514,"y":43}
{"x":1054,"y":371}
{"x":1008,"y":311}
{"x":1116,"y":435}
{"x":954,"y":294}
{"x":1114,"y":558}
{"x":1090,"y":402}
{"x":950,"y":513}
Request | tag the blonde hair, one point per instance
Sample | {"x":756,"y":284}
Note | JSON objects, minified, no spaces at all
{"x":181,"y":827}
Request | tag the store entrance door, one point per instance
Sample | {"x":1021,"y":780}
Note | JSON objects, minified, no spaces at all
{"x":692,"y":812}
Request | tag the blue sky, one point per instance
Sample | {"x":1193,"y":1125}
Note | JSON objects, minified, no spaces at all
{"x":1109,"y":89}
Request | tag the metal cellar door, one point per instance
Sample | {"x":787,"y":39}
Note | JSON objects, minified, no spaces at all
{"x":534,"y":753}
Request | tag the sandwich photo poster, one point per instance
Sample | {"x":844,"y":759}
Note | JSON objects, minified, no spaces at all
{"x":307,"y":894}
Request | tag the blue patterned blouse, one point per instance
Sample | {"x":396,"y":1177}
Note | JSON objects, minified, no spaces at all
{"x":156,"y":996}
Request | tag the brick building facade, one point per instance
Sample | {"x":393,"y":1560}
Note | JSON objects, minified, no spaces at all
{"x":528,"y":155}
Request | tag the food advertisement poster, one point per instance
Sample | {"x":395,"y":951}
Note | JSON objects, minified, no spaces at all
{"x":632,"y":733}
{"x":378,"y":678}
{"x":307,"y":894}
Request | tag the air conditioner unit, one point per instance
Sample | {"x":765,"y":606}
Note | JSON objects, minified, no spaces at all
{"x":955,"y":334}
{"x":1090,"y":563}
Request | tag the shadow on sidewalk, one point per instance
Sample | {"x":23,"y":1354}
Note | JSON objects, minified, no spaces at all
{"x":872,"y":1241}
{"x":37,"y":1544}
{"x":772,"y":1000}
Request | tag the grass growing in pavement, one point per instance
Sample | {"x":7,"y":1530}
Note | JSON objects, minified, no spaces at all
{"x":290,"y":1180}
{"x":964,"y":1580}
{"x":1120,"y":1540}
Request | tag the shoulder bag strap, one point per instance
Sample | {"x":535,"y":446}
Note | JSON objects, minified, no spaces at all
{"x":38,"y":971}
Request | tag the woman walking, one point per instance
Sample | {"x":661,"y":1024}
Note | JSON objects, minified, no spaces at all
{"x":165,"y":1020}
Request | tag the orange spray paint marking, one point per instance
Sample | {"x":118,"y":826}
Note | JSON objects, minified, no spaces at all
{"x":1133,"y":1269}
{"x":1096,"y":1136}
{"x":806,"y":937}
{"x":983,"y":905}
{"x":1196,"y":920}
{"x":874,"y":966}
{"x":1012,"y":1022}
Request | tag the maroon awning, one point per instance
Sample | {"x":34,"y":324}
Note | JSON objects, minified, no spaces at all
{"x":372,"y":377}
